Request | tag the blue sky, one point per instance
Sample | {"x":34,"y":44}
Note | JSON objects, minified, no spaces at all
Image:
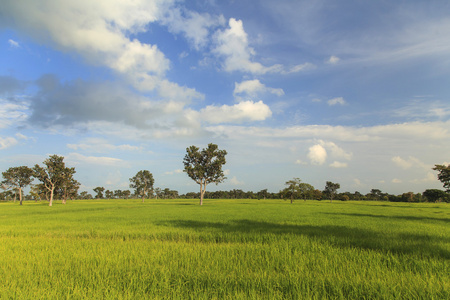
{"x":354,"y":92}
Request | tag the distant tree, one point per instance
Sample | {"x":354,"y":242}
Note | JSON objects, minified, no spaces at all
{"x":99,"y":190}
{"x":143,"y":182}
{"x":158,"y":193}
{"x":330,"y":189}
{"x":126,"y":194}
{"x":262,"y":194}
{"x":18,"y":178}
{"x":435,"y":195}
{"x":68,"y":185}
{"x":52,"y":175}
{"x":205,"y":166}
{"x":109,"y":194}
{"x":317,"y":194}
{"x":292,"y":191}
{"x":85,"y":195}
{"x":444,"y":175}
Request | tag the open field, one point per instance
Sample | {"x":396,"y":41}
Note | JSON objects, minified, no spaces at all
{"x":232,"y":249}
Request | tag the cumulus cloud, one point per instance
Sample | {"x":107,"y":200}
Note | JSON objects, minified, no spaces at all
{"x":338,"y":164}
{"x":7,"y":142}
{"x":317,"y":154}
{"x":193,"y":25}
{"x":254,"y":87}
{"x":232,"y":44}
{"x":337,"y":101}
{"x":333,"y":60}
{"x":238,"y":113}
{"x":235,"y":181}
{"x":100,"y":32}
{"x":410,"y":162}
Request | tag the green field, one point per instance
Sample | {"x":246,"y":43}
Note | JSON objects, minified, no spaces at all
{"x":225,"y":249}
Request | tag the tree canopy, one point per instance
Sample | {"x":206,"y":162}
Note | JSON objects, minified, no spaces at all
{"x":205,"y":166}
{"x":18,"y":178}
{"x":143,"y":182}
{"x":331,"y":189}
{"x":444,"y":175}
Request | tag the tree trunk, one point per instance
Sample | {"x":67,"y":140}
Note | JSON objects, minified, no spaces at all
{"x":20,"y":196}
{"x":202,"y":192}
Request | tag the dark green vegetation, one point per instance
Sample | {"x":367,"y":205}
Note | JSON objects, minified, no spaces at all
{"x":233,"y":249}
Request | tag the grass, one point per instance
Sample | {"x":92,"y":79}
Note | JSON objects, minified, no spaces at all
{"x":226,"y":249}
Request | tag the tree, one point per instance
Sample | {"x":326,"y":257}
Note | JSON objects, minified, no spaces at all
{"x":292,"y":190}
{"x":18,"y":178}
{"x":444,"y":175}
{"x":69,"y":186}
{"x":205,"y":166}
{"x":142,"y":182}
{"x":99,"y":190}
{"x":330,"y":189}
{"x":435,"y":195}
{"x":53,"y":174}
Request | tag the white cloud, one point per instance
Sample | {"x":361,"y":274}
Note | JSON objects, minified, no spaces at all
{"x":193,"y":25}
{"x":254,"y":87}
{"x":396,"y":180}
{"x":238,"y":113}
{"x":402,"y":163}
{"x":76,"y":158}
{"x":338,"y":164}
{"x":100,"y":32}
{"x":335,"y":101}
{"x":333,"y":60}
{"x":409,"y":163}
{"x":232,"y":45}
{"x":7,"y":142}
{"x":298,"y":68}
{"x":235,"y":181}
{"x":336,"y":151}
{"x":101,"y":145}
{"x":317,"y":154}
{"x":13,"y":43}
{"x":178,"y":171}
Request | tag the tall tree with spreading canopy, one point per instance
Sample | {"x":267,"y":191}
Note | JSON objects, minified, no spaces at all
{"x":142,"y":182}
{"x":99,"y":190}
{"x":18,"y":178}
{"x":205,"y":166}
{"x":53,"y":175}
{"x":330,"y":189}
{"x":444,"y":175}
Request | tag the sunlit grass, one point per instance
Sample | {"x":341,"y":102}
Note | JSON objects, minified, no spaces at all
{"x":234,"y":249}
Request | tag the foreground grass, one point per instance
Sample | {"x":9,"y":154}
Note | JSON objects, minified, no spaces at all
{"x":124,"y":249}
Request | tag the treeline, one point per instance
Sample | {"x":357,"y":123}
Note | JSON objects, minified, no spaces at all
{"x":56,"y":181}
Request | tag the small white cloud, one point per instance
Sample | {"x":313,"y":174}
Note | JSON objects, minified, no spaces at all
{"x":338,"y":164}
{"x":13,"y":43}
{"x":300,"y":162}
{"x":317,"y":154}
{"x":7,"y":142}
{"x":238,"y":113}
{"x":333,"y":60}
{"x":254,"y":87}
{"x":298,"y":68}
{"x":396,"y":180}
{"x":178,"y":171}
{"x":335,"y":101}
{"x":235,"y":181}
{"x":77,"y":158}
{"x":401,"y":162}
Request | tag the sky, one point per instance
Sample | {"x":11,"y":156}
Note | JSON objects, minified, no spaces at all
{"x":353,"y":92}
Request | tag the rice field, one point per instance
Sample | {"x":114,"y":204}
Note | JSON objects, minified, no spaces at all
{"x":225,"y":249}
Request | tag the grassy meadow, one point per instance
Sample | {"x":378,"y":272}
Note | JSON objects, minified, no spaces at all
{"x":225,"y":249}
